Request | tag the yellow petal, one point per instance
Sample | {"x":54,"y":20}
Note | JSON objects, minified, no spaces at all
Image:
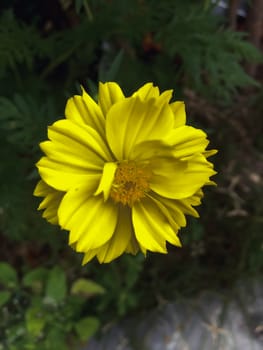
{"x":106,"y":180}
{"x":89,"y":255}
{"x":75,"y":154}
{"x":210,"y":153}
{"x":83,"y":109}
{"x":178,"y":109}
{"x":186,"y":141}
{"x":167,"y":213}
{"x":109,"y":94}
{"x":62,"y":177}
{"x":133,"y":246}
{"x":180,"y":179}
{"x":70,"y":135}
{"x":151,"y":226}
{"x":50,"y":203}
{"x":181,"y":143}
{"x":147,"y":150}
{"x":120,"y":239}
{"x":165,"y":97}
{"x":175,"y":211}
{"x":41,"y":189}
{"x":90,"y":220}
{"x":186,"y":204}
{"x":132,"y":121}
{"x":120,"y":242}
{"x":147,"y":91}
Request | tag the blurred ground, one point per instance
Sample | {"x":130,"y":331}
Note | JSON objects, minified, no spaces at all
{"x":232,"y":320}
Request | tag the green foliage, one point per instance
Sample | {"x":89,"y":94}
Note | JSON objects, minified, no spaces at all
{"x":56,"y":286}
{"x":19,"y":43}
{"x":4,"y":297}
{"x":86,"y":288}
{"x":8,"y":277}
{"x":211,"y":55}
{"x":23,"y":118}
{"x":119,"y":279}
{"x":87,"y":327}
{"x":193,"y":45}
{"x":40,"y":313}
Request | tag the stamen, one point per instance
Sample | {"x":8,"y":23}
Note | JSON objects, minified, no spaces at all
{"x":130,"y":184}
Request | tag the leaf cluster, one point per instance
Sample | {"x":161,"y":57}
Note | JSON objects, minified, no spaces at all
{"x":209,"y":56}
{"x":19,"y":44}
{"x":41,"y":310}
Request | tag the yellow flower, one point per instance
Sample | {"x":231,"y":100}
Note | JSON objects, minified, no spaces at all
{"x":121,"y":174}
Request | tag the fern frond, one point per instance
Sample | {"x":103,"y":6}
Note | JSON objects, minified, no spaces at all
{"x":23,"y":120}
{"x":211,"y":56}
{"x":19,"y":43}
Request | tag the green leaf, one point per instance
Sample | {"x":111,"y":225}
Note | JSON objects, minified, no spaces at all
{"x":14,"y":334}
{"x":8,"y":276}
{"x":87,"y":327}
{"x":56,"y":288}
{"x":4,"y":297}
{"x":35,"y":279}
{"x":78,"y":5}
{"x":86,"y":288}
{"x":55,"y":339}
{"x":111,"y":73}
{"x":35,"y":321}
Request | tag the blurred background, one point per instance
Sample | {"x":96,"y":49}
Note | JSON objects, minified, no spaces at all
{"x":210,"y":53}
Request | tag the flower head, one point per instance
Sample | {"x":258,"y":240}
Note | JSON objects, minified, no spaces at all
{"x":121,"y":174}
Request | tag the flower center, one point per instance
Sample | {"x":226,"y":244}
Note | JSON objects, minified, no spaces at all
{"x":130,"y":183}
